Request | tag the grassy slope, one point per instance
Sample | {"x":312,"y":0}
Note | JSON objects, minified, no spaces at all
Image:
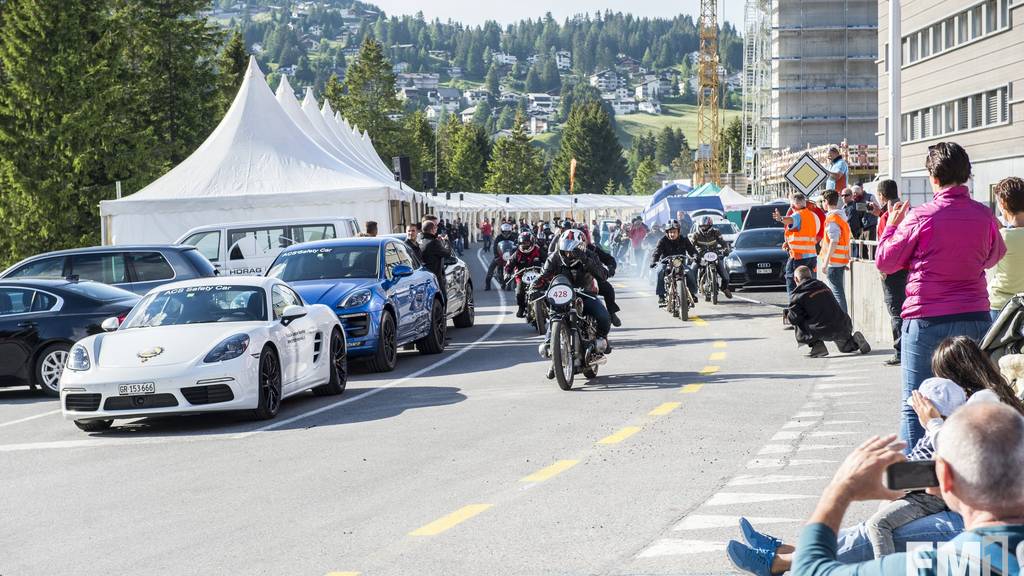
{"x":630,"y":126}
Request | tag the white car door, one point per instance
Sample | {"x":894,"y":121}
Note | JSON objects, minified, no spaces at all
{"x":297,"y":344}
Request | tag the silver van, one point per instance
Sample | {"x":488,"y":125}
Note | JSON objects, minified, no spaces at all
{"x":248,"y":248}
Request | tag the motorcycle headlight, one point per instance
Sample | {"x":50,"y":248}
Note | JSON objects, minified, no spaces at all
{"x":355,"y":299}
{"x":78,"y":359}
{"x":228,"y":349}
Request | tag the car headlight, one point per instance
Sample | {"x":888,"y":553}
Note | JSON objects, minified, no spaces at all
{"x":78,"y":359}
{"x":228,"y":349}
{"x":734,"y":263}
{"x":355,"y":299}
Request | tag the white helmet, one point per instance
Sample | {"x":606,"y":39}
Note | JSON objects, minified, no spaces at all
{"x":506,"y":227}
{"x":570,"y":246}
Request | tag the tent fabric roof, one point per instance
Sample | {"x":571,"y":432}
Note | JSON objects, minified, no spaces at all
{"x":672,"y":189}
{"x":256,"y":149}
{"x":476,"y":201}
{"x":733,"y":201}
{"x":708,"y":189}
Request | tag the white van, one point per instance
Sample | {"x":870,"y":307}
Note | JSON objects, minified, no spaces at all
{"x":248,"y":248}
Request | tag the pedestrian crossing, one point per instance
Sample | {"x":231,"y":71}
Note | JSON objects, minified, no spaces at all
{"x":779,"y":486}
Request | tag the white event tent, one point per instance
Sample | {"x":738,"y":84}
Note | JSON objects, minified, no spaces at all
{"x":274,"y":158}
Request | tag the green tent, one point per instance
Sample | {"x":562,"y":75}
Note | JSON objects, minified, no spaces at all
{"x":709,"y":189}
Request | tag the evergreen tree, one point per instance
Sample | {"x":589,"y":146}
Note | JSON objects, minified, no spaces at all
{"x":646,"y":179}
{"x":506,"y":118}
{"x":230,"y":69}
{"x":517,"y":167}
{"x":533,"y":80}
{"x":491,"y":82}
{"x":483,"y":113}
{"x":334,"y":90}
{"x":64,"y":137}
{"x":667,"y":147}
{"x":466,"y":158}
{"x":645,"y":147}
{"x":171,"y":54}
{"x":369,"y":97}
{"x":682,"y":166}
{"x":731,"y":140}
{"x":418,"y":136}
{"x":589,"y":137}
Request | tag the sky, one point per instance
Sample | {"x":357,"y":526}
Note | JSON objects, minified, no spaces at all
{"x":476,"y":12}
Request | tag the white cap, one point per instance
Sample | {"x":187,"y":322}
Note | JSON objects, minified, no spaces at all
{"x":945,"y":394}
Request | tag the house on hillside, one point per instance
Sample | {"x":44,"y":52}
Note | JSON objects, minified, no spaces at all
{"x":409,"y":93}
{"x":438,"y":54}
{"x":620,"y":106}
{"x":607,"y":80}
{"x":629,"y":64}
{"x":649,"y":107}
{"x":504,"y":59}
{"x":541,"y":102}
{"x":537,"y":126}
{"x":400,"y":67}
{"x":455,"y":71}
{"x":467,"y":114}
{"x":649,"y":89}
{"x":563,"y":60}
{"x":474,"y":97}
{"x":422,"y":80}
{"x":450,"y":97}
{"x":510,"y":97}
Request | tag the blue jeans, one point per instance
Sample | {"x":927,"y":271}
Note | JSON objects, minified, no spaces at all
{"x":659,"y":286}
{"x":594,"y":307}
{"x":921,"y":336}
{"x":854,"y":545}
{"x":835,"y":275}
{"x":995,"y":314}
{"x":791,"y":266}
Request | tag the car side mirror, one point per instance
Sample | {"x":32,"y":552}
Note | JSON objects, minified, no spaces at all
{"x":292,"y":313}
{"x":110,"y":324}
{"x":451,"y":261}
{"x":401,"y":271}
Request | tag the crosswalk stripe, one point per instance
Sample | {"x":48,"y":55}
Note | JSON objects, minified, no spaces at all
{"x":730,"y":498}
{"x":775,"y":449}
{"x":799,"y":424}
{"x":678,"y":547}
{"x":756,"y":480}
{"x":810,"y":414}
{"x":709,"y":521}
{"x":810,"y":447}
{"x":782,"y":462}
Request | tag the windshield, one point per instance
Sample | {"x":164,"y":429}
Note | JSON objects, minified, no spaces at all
{"x":98,"y":291}
{"x":725,"y":227}
{"x":198,"y":305}
{"x":326,"y":263}
{"x":761,"y":238}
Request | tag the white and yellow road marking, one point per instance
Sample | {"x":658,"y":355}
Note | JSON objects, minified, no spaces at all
{"x":451,"y":520}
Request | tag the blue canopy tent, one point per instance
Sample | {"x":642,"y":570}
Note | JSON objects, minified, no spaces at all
{"x":673,"y":189}
{"x":665,"y":210}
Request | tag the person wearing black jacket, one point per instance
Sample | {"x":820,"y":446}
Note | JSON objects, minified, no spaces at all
{"x":412,"y":242}
{"x":706,"y":237}
{"x":573,"y":260}
{"x":507,"y":234}
{"x":673,"y":243}
{"x":604,"y":287}
{"x":816,"y":316}
{"x":434,"y":252}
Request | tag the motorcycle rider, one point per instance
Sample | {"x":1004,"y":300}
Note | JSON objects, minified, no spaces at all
{"x":707,"y":238}
{"x":507,"y":235}
{"x":528,"y":255}
{"x":544,"y":238}
{"x":581,"y":266}
{"x":673,"y":243}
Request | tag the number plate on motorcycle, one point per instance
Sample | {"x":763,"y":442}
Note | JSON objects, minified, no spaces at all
{"x":530,"y":277}
{"x":559,"y":294}
{"x":710,"y":256}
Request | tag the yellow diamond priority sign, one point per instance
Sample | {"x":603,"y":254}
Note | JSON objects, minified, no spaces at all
{"x":806,"y":174}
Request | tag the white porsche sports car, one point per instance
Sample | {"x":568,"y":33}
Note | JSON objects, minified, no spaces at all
{"x":204,"y":345}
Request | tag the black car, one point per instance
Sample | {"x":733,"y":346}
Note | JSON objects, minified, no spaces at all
{"x":762,"y":216}
{"x":757,"y":258}
{"x":41,"y":318}
{"x":137,"y":268}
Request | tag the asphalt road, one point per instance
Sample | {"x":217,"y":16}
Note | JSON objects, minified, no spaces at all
{"x":466,"y":463}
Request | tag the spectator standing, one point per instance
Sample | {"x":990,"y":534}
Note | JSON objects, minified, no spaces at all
{"x":412,"y":241}
{"x":595,"y":232}
{"x":371,"y":228}
{"x":637,"y":232}
{"x":435,"y":250}
{"x":685,"y":222}
{"x":867,"y":218}
{"x":485,"y":232}
{"x":946,"y":244}
{"x":801,"y":233}
{"x":835,"y":250}
{"x":850,"y":211}
{"x":838,"y":170}
{"x":894,"y":285}
{"x":1009,"y":273}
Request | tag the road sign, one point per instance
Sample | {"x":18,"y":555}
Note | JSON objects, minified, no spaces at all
{"x":806,"y":174}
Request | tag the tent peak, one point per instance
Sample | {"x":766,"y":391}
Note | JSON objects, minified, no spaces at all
{"x":327,"y":111}
{"x":284,"y":86}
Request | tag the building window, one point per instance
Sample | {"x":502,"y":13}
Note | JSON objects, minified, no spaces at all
{"x":961,"y":26}
{"x":977,"y":21}
{"x":991,"y":13}
{"x":885,"y":57}
{"x":976,"y":18}
{"x":949,"y":32}
{"x":982,"y":110}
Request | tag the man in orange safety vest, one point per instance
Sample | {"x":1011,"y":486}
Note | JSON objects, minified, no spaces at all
{"x":801,"y":238}
{"x":835,"y":247}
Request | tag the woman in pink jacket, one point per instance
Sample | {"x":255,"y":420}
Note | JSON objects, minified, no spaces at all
{"x":946,"y":245}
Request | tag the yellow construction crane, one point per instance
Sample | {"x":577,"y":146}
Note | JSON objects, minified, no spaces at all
{"x":706,"y":168}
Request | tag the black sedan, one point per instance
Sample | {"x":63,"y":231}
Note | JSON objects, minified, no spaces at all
{"x":41,"y":318}
{"x":757,"y":258}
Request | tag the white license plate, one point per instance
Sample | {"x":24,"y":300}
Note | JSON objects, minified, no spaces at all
{"x":130,"y":389}
{"x":764,"y":270}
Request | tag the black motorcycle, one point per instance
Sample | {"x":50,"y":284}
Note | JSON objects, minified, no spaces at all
{"x":678,"y":299}
{"x":573,"y":339}
{"x":506,"y":250}
{"x":536,"y":310}
{"x":708,"y":282}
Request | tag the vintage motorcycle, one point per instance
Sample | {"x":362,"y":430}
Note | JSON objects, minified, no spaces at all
{"x":708,"y":281}
{"x":678,"y":299}
{"x":573,"y":342}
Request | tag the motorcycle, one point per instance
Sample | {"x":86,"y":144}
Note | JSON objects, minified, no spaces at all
{"x":506,"y":250}
{"x":707,"y":276}
{"x":678,"y":299}
{"x":536,"y":312}
{"x":573,"y":346}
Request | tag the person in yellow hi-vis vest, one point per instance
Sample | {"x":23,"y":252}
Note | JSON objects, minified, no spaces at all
{"x":801,"y":232}
{"x":835,"y":247}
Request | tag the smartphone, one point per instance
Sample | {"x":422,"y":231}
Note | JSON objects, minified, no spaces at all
{"x":862,"y":206}
{"x":914,"y":475}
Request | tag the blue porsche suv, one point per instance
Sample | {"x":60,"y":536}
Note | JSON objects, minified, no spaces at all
{"x":384,"y":298}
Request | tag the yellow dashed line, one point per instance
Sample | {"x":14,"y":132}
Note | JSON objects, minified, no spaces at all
{"x":550,"y":472}
{"x":691,"y":388}
{"x":450,"y":521}
{"x":698,"y":321}
{"x":717,"y":356}
{"x":619,"y":285}
{"x":720,"y":344}
{"x":620,"y":435}
{"x":664,"y":408}
{"x":709,"y":370}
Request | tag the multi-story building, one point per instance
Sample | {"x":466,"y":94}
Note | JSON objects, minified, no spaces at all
{"x":563,"y":60}
{"x":503,"y":59}
{"x":809,"y":80}
{"x":607,"y":80}
{"x":962,"y":80}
